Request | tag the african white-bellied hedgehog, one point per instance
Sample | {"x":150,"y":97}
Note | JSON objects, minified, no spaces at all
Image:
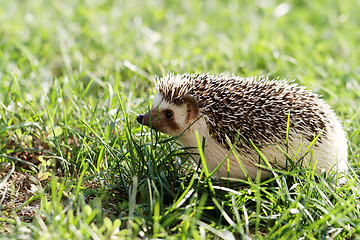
{"x":244,"y":110}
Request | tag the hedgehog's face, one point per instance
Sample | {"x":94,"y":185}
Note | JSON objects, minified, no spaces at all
{"x":169,"y":118}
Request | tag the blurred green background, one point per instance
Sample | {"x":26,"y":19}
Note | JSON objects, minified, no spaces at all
{"x":313,"y":41}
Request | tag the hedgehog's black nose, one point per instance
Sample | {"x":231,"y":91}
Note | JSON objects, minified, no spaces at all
{"x":140,"y":119}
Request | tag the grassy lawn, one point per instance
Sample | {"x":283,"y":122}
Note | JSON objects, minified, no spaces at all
{"x":74,"y":74}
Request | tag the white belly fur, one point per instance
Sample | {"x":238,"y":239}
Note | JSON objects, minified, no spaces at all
{"x":330,"y":153}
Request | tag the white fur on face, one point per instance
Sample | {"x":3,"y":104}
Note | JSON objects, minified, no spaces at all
{"x":179,"y":115}
{"x":157,"y":100}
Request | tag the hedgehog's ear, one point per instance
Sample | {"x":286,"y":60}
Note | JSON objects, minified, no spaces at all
{"x":192,"y":107}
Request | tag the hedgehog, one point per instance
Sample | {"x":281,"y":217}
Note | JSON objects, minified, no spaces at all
{"x":232,"y":114}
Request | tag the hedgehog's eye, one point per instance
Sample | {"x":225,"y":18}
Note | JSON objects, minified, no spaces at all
{"x":168,"y":114}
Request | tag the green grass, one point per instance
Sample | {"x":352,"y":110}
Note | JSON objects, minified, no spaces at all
{"x":74,"y":164}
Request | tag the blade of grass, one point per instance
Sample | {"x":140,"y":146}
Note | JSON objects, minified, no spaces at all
{"x":203,"y":162}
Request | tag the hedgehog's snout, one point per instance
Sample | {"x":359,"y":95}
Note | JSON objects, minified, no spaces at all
{"x":143,"y":119}
{"x":140,"y":118}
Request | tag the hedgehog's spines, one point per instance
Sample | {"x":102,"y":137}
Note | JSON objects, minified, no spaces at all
{"x":257,"y":107}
